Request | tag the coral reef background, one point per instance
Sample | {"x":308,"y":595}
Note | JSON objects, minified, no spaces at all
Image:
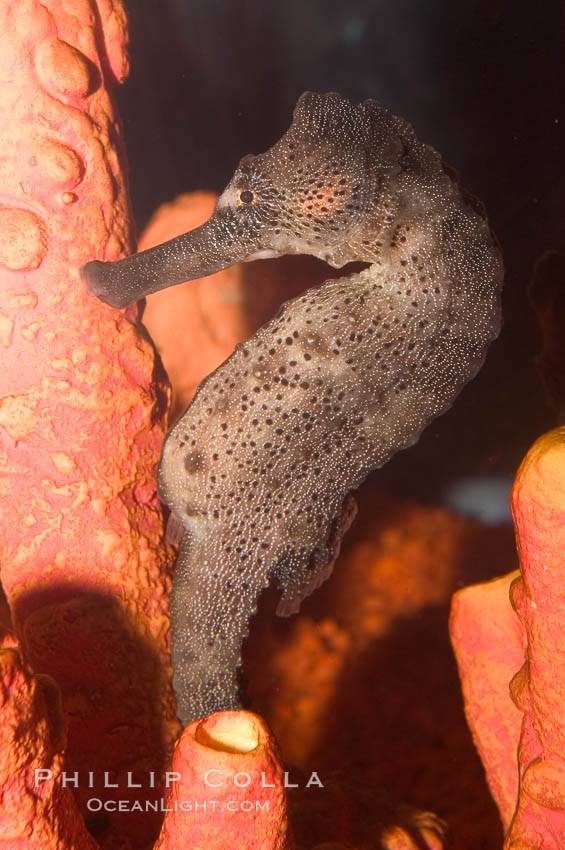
{"x":362,"y":686}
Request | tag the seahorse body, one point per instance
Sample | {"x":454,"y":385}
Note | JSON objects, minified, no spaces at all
{"x":259,"y":468}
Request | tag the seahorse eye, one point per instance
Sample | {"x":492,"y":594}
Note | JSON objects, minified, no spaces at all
{"x":246,"y":197}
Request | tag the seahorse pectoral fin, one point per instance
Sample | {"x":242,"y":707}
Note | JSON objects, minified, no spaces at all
{"x":210,"y":612}
{"x":320,"y":566}
{"x":175,"y":530}
{"x":207,"y":249}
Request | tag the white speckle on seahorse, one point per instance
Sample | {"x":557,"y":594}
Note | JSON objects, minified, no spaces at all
{"x":260,"y":468}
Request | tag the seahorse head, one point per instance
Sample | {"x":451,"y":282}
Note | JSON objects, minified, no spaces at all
{"x":321,"y":189}
{"x":325,"y":188}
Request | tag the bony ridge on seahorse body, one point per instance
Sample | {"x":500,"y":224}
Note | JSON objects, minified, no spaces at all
{"x":260,"y":467}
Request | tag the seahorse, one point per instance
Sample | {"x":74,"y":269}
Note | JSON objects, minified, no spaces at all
{"x":260,"y":468}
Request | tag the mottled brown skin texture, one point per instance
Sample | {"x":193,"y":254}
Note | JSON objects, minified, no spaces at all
{"x":259,"y":468}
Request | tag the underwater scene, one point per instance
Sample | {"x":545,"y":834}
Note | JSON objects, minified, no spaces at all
{"x":282,"y":425}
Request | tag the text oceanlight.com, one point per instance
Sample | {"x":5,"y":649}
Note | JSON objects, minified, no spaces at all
{"x":94,"y":804}
{"x":213,"y":778}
